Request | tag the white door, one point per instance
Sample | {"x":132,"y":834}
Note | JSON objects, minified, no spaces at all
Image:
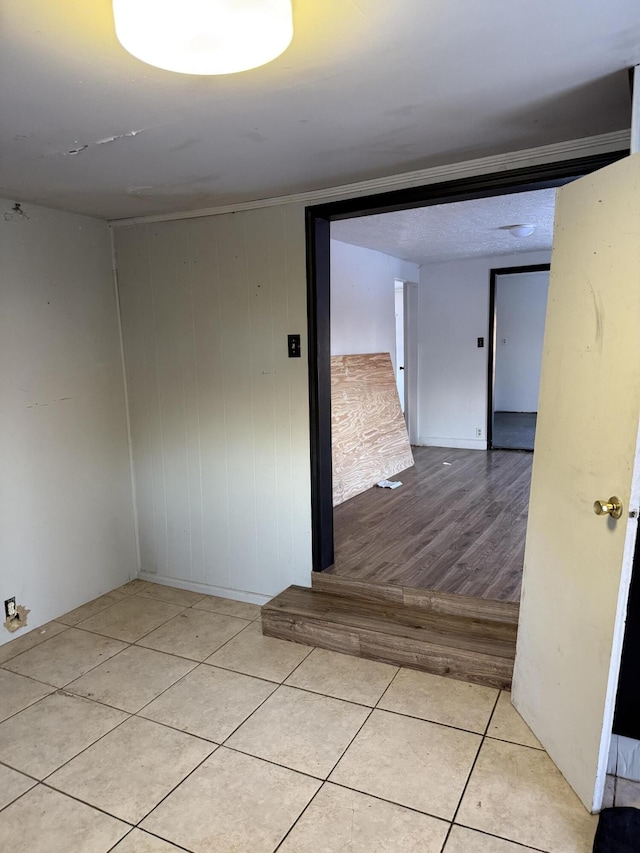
{"x":411,"y":334}
{"x":578,"y":565}
{"x":399,"y":301}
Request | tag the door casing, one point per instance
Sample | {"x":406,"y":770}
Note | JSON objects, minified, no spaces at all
{"x":318,"y":219}
{"x":491,"y":339}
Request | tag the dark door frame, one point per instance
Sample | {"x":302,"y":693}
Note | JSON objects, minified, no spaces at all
{"x":318,"y":219}
{"x":491,"y":351}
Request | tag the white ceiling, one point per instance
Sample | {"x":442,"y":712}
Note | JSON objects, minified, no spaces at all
{"x":465,"y":229}
{"x":367,"y":88}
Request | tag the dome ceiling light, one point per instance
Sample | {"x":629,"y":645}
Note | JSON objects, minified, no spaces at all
{"x":204,"y":36}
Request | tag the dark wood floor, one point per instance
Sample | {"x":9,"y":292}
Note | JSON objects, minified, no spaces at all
{"x":459,"y":528}
{"x":514,"y":430}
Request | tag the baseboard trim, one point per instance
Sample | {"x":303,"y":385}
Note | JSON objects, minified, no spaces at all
{"x":459,"y":443}
{"x":207,"y":589}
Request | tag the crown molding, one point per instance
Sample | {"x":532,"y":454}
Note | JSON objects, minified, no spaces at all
{"x":572,"y":149}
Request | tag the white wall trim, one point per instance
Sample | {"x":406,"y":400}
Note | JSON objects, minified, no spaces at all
{"x":206,"y":589}
{"x":634,"y":144}
{"x":568,"y":150}
{"x":461,"y":443}
{"x":134,"y":497}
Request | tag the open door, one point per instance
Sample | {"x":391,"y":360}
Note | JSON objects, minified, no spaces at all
{"x":411,"y":334}
{"x":578,"y":565}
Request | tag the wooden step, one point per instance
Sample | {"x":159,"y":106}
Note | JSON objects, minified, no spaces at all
{"x":432,"y":600}
{"x":458,"y":646}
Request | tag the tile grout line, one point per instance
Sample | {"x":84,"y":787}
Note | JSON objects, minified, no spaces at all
{"x":326,"y":779}
{"x":486,"y":737}
{"x":299,"y":818}
{"x":168,"y":794}
{"x":412,"y":809}
{"x":475,"y":760}
{"x":500,"y":838}
{"x":99,"y":808}
{"x":152,"y":835}
{"x":386,"y":690}
{"x":167,"y":725}
{"x":34,"y":646}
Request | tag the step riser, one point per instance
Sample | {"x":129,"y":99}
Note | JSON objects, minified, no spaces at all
{"x":484,"y":669}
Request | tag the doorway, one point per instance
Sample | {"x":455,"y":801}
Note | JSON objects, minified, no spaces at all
{"x":398,"y":294}
{"x":517,"y":313}
{"x":318,"y":234}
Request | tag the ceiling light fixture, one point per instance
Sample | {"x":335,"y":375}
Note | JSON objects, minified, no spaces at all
{"x":521,"y":230}
{"x":204,"y":36}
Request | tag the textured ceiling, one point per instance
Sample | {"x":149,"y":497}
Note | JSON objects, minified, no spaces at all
{"x":465,"y":229}
{"x":367,"y":88}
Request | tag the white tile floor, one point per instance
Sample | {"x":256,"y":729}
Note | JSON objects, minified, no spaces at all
{"x":154,"y":720}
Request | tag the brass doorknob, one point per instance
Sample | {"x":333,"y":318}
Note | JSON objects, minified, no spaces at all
{"x":612,"y":507}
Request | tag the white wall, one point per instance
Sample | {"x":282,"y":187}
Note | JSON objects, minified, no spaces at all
{"x":521,"y":306}
{"x":247,"y":520}
{"x":452,"y":370}
{"x":66,"y":513}
{"x":219,"y":413}
{"x":363,"y":301}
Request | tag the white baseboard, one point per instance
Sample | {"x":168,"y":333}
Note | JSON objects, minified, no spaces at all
{"x":461,"y":443}
{"x":207,"y":589}
{"x":624,"y":758}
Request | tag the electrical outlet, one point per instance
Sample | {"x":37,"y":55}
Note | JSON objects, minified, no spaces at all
{"x":10,"y":610}
{"x":478,"y":432}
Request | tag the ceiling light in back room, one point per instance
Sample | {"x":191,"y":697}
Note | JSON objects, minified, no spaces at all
{"x":521,"y":230}
{"x":204,"y":36}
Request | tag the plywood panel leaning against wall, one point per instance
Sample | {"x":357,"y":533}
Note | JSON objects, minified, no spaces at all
{"x":369,"y":435}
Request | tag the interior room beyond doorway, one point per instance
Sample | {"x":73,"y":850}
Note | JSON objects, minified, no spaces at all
{"x":458,"y":522}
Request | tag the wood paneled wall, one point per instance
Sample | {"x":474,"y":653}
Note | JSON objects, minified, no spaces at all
{"x":219,"y":413}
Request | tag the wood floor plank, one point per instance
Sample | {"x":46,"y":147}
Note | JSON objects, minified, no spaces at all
{"x":457,"y":528}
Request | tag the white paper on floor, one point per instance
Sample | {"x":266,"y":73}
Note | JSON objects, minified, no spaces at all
{"x":388,"y":484}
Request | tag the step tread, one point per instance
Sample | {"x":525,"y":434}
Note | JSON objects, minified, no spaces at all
{"x":424,"y":599}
